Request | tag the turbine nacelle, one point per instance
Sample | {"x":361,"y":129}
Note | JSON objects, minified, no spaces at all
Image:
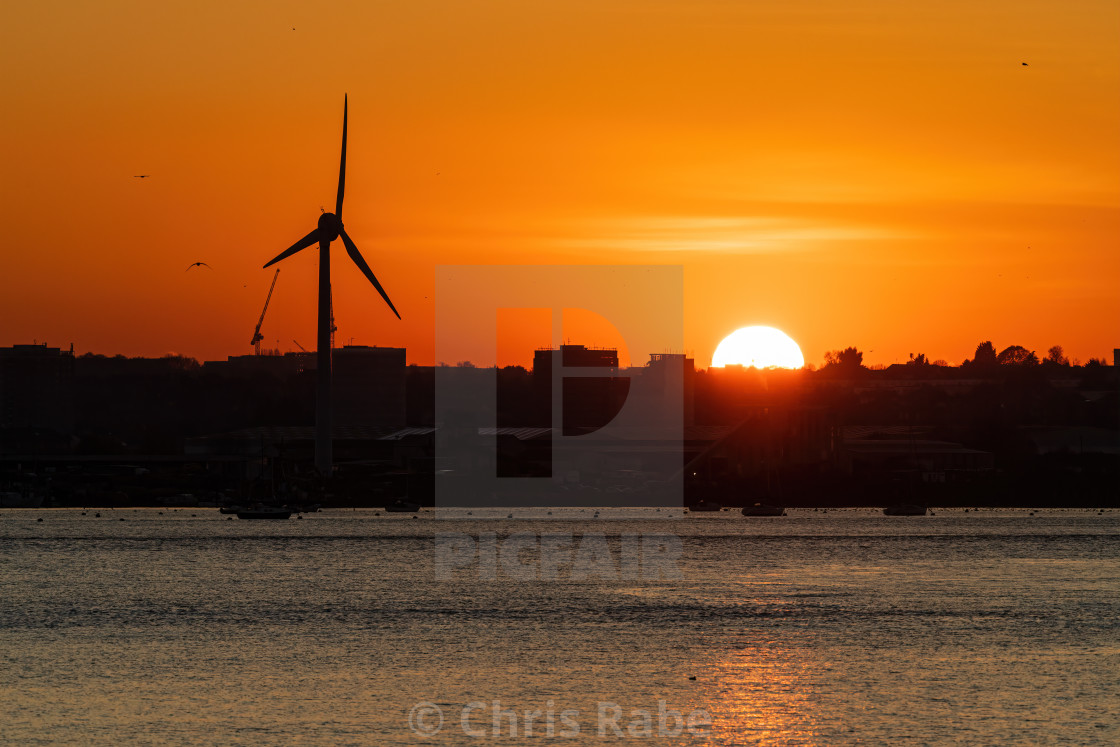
{"x":330,"y":226}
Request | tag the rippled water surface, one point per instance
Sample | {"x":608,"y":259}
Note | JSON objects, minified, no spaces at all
{"x":845,"y":627}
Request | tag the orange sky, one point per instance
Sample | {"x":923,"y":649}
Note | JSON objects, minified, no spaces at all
{"x":882,"y":174}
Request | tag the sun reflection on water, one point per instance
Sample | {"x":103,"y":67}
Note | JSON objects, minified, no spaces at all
{"x":765,"y":693}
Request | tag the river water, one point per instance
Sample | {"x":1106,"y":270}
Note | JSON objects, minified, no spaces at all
{"x":179,"y":626}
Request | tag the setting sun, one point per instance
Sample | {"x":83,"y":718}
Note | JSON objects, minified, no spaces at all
{"x":760,"y":347}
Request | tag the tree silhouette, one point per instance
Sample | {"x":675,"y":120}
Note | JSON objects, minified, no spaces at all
{"x":1056,"y":356}
{"x":1017,"y":355}
{"x":848,"y":360}
{"x":985,"y":355}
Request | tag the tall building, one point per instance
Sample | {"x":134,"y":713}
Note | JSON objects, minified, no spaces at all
{"x":37,"y":388}
{"x":673,"y":372}
{"x":588,"y":402}
{"x":281,"y":366}
{"x":368,"y":386}
{"x":576,"y":356}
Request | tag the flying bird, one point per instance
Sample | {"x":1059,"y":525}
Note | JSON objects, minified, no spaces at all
{"x":1025,"y":65}
{"x":140,"y":176}
{"x":198,"y":264}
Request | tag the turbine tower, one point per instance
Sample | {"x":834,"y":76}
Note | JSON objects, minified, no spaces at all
{"x":330,"y":228}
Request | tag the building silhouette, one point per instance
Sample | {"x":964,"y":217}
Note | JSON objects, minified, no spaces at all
{"x":37,"y":388}
{"x":369,"y":386}
{"x":674,"y":370}
{"x":587,"y":401}
{"x":245,"y":366}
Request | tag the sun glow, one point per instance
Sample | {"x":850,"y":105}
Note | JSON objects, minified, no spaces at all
{"x":760,"y":347}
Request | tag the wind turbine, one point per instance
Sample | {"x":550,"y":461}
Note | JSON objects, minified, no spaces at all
{"x":330,"y":228}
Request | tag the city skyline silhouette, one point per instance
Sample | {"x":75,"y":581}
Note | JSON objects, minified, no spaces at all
{"x":1006,"y":427}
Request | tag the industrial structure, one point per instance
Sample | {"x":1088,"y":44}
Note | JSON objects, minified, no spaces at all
{"x":257,"y":336}
{"x":330,"y":227}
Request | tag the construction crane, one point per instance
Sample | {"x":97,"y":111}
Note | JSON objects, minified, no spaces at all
{"x":257,"y":336}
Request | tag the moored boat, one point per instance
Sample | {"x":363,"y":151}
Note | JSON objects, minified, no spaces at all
{"x":402,"y":507}
{"x":12,"y":499}
{"x":703,"y":505}
{"x":905,"y":509}
{"x":264,"y":512}
{"x":305,"y":508}
{"x":762,"y":509}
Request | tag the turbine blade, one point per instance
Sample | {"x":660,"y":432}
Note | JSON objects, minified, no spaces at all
{"x":303,"y":243}
{"x":361,"y":263}
{"x":342,"y":163}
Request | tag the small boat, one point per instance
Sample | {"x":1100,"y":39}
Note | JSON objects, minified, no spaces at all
{"x":402,"y":507}
{"x":12,"y":499}
{"x":762,"y":509}
{"x":905,"y":509}
{"x":305,"y":508}
{"x":264,"y":512}
{"x":705,"y":506}
{"x":230,"y":508}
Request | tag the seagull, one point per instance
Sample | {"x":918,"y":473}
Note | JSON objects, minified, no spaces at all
{"x":198,"y":264}
{"x":140,"y":176}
